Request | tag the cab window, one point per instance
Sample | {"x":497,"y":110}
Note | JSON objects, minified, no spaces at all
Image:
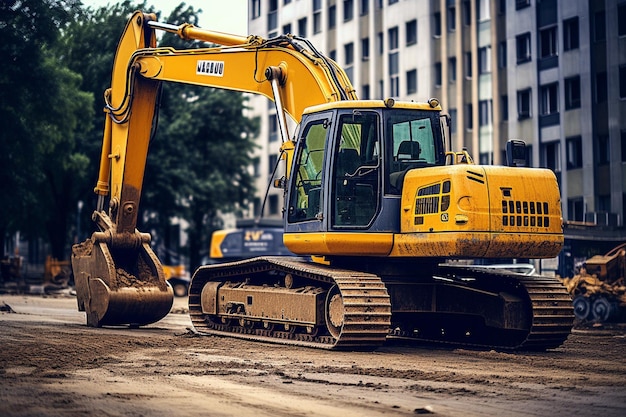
{"x":356,"y":170}
{"x":305,"y":203}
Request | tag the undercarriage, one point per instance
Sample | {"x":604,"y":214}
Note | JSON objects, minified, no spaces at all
{"x":293,"y":301}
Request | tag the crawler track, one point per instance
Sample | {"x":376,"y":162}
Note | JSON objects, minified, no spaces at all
{"x":367,"y":308}
{"x":548,"y":307}
{"x":545,"y":316}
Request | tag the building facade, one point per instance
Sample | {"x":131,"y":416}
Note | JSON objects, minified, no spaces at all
{"x":552,"y":73}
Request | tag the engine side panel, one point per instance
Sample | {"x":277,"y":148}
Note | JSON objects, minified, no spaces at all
{"x":479,"y":211}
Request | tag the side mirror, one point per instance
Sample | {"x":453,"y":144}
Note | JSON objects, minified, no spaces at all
{"x":516,"y":155}
{"x":280,"y":183}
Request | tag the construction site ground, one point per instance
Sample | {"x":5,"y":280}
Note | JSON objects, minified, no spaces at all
{"x":52,"y":364}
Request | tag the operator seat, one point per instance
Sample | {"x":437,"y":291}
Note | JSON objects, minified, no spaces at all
{"x":348,"y":160}
{"x":407,"y":158}
{"x":408,"y":150}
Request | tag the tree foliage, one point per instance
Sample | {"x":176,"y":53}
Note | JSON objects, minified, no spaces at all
{"x":42,"y":109}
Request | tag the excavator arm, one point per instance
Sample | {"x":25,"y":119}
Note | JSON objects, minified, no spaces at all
{"x":119,"y":279}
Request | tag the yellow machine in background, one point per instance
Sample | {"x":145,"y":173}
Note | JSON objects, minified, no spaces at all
{"x":250,"y":238}
{"x":371,"y":192}
{"x":599,"y":288}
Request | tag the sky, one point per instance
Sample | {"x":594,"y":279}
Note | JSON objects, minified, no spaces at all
{"x":230,"y":16}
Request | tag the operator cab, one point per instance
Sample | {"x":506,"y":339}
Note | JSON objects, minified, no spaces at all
{"x":350,"y":162}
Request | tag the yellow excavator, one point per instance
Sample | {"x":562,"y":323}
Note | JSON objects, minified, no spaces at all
{"x":372,"y":194}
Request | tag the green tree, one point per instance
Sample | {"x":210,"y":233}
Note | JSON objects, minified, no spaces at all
{"x":41,"y":108}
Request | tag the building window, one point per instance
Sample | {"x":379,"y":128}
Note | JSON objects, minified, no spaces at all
{"x":469,"y":117}
{"x":521,"y":4}
{"x":302,"y":27}
{"x":273,"y":128}
{"x":411,"y":82}
{"x":436,"y":24}
{"x":393,"y":38}
{"x":451,"y":18}
{"x":256,"y":166}
{"x":604,"y":150}
{"x":452,"y":69}
{"x":348,"y":52}
{"x":523,"y":47}
{"x":621,"y":19}
{"x":523,"y":104}
{"x":549,"y":99}
{"x":411,"y":32}
{"x":548,"y":39}
{"x":622,"y":81}
{"x":272,"y":15}
{"x":484,"y":113}
{"x":380,"y":46}
{"x":468,"y":65}
{"x":484,"y":60}
{"x":572,"y":93}
{"x":570,"y":34}
{"x":317,"y":22}
{"x":394,"y":64}
{"x":273,"y":204}
{"x":504,"y":107}
{"x":467,"y":12}
{"x":317,"y":5}
{"x":437,"y":74}
{"x":273,"y":158}
{"x":601,"y":87}
{"x":550,"y":156}
{"x":332,"y":17}
{"x":333,"y":54}
{"x":394,"y":86}
{"x":348,"y":10}
{"x":364,"y":7}
{"x":502,"y":55}
{"x":365,"y":49}
{"x":365,"y":90}
{"x":574,"y":152}
{"x":575,"y":209}
{"x":599,"y":26}
{"x":604,"y":203}
{"x":623,"y":142}
{"x":255,"y":11}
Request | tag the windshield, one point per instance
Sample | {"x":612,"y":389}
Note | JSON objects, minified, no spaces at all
{"x":413,"y":138}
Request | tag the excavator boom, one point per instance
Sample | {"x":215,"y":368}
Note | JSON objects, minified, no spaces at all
{"x":280,"y":69}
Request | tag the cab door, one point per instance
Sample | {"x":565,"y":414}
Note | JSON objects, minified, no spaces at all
{"x":356,"y":171}
{"x":306,"y":197}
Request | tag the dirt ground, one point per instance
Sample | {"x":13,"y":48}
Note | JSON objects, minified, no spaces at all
{"x":52,"y":364}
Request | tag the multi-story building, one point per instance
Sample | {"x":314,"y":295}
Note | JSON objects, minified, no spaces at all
{"x":550,"y":72}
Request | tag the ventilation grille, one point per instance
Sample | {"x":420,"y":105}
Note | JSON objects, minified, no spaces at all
{"x":525,"y":214}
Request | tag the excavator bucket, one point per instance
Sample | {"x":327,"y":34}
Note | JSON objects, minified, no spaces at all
{"x":119,"y":285}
